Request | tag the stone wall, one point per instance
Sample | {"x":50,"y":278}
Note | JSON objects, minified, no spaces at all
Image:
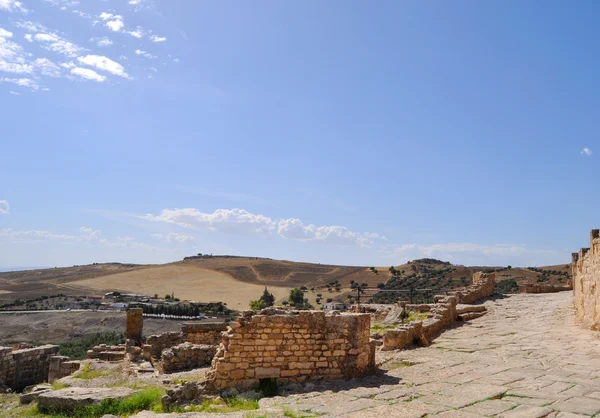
{"x":441,"y":315}
{"x":200,"y":333}
{"x":107,"y":352}
{"x":482,"y":287}
{"x":155,"y":344}
{"x":292,"y":346}
{"x":186,"y":356}
{"x":21,"y":368}
{"x":61,"y":366}
{"x":586,"y":282}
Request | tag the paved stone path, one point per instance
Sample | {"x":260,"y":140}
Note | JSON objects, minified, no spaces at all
{"x":525,"y":358}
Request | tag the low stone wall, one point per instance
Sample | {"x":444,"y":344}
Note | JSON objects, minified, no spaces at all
{"x":545,"y":288}
{"x":292,"y":346}
{"x":482,"y":287}
{"x":441,"y":315}
{"x":107,"y":352}
{"x":186,"y":356}
{"x":586,"y":282}
{"x":155,"y":344}
{"x":200,"y":333}
{"x":61,"y":366}
{"x":29,"y":366}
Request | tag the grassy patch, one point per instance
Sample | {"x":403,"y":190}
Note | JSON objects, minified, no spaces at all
{"x":396,"y":364}
{"x":416,"y":316}
{"x":87,"y":372}
{"x":377,"y":327}
{"x":59,"y":385}
{"x":147,"y":399}
{"x":219,"y":405}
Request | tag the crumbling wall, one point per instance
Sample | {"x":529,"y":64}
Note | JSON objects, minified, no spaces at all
{"x":186,"y":356}
{"x":586,"y":282}
{"x":441,"y":315}
{"x":61,"y":366}
{"x":201,"y":333}
{"x":107,"y":352}
{"x":29,"y":366}
{"x":482,"y":287}
{"x":155,"y":344}
{"x":292,"y":346}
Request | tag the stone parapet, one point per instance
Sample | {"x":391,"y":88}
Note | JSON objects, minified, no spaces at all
{"x":203,"y":333}
{"x":25,"y":367}
{"x":586,"y":279}
{"x":186,"y":356}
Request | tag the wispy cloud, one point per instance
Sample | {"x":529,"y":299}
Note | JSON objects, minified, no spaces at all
{"x":104,"y":64}
{"x":4,"y":208}
{"x":240,"y":221}
{"x":174,"y":237}
{"x":23,"y":82}
{"x":102,"y":42}
{"x":145,"y":54}
{"x":111,"y":21}
{"x":88,"y":74}
{"x":12,"y":6}
{"x":587,"y":152}
{"x":157,"y":39}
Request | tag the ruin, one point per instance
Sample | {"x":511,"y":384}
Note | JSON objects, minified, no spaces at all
{"x":24,"y":367}
{"x":292,"y":346}
{"x":586,"y":279}
{"x":135,"y":325}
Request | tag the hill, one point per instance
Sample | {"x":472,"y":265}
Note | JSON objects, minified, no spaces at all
{"x":237,"y":280}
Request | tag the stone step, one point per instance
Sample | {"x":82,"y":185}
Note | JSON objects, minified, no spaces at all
{"x":463,"y":309}
{"x":471,"y":315}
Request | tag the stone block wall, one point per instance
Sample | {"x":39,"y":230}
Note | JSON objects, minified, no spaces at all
{"x":441,"y":315}
{"x":482,"y":287}
{"x":292,"y":346}
{"x":21,"y":368}
{"x":200,"y":333}
{"x":586,"y":282}
{"x":160,"y":342}
{"x":61,"y":366}
{"x":107,"y":352}
{"x":186,"y":356}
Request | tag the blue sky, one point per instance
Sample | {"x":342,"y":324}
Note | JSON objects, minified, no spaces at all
{"x":337,"y":132}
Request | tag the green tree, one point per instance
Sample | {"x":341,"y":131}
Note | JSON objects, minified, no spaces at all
{"x":257,"y":305}
{"x":167,"y":296}
{"x":267,"y":298}
{"x":296,"y":297}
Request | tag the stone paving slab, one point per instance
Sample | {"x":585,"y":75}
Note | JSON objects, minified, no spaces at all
{"x":526,"y":358}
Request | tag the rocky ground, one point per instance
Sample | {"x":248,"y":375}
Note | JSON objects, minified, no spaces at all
{"x":525,"y":358}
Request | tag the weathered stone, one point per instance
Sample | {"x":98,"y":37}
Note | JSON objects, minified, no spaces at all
{"x":135,"y":324}
{"x":72,"y":398}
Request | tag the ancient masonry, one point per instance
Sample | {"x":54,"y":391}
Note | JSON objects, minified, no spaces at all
{"x":441,"y":314}
{"x":586,"y":282}
{"x":24,"y":367}
{"x":292,"y":346}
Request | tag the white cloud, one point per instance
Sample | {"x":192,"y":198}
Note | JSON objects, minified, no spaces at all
{"x":68,"y":65}
{"x":23,"y":82}
{"x":104,"y":64}
{"x":173,"y":237}
{"x":13,"y":58}
{"x":30,"y":26}
{"x":337,"y":235}
{"x":587,"y":152}
{"x":112,"y":22}
{"x":138,"y":33}
{"x":28,"y":37}
{"x":145,"y":54}
{"x":14,"y":93}
{"x":12,"y":6}
{"x":90,"y":234}
{"x":88,"y":74}
{"x":46,"y":67}
{"x":155,"y":38}
{"x":223,"y":220}
{"x":102,"y":42}
{"x":53,"y":42}
{"x":135,"y":2}
{"x":4,"y":208}
{"x":239,"y":221}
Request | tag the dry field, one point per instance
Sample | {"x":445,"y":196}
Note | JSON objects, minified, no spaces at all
{"x":187,"y":282}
